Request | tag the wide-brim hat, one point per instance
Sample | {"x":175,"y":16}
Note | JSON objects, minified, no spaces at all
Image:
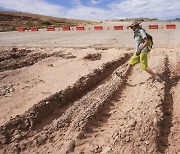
{"x":134,"y":23}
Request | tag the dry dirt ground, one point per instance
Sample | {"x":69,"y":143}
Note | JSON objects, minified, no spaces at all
{"x":59,"y":93}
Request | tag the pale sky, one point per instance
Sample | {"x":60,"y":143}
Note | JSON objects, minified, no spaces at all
{"x":96,"y":9}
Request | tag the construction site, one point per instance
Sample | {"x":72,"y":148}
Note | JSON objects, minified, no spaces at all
{"x":59,"y":92}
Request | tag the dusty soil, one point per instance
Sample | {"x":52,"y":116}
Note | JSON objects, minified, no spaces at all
{"x":58,"y":99}
{"x":14,"y":58}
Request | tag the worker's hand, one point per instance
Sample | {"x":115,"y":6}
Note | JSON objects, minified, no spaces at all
{"x":138,"y":52}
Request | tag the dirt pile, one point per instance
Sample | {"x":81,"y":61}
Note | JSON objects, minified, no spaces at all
{"x":63,"y":55}
{"x":93,"y":57}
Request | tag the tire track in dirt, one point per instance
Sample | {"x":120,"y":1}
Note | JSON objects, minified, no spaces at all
{"x":128,"y":123}
{"x":27,"y":130}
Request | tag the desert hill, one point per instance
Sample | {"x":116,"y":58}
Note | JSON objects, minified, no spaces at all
{"x":9,"y":21}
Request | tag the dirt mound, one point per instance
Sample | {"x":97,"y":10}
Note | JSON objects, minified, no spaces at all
{"x":93,"y":57}
{"x":17,"y":58}
{"x":62,"y":55}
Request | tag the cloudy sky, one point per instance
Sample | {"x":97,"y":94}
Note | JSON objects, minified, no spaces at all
{"x":96,"y":9}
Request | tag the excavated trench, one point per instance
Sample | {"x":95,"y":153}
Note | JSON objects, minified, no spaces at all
{"x":100,"y":113}
{"x":18,"y":58}
{"x":116,"y":128}
{"x":128,"y":122}
{"x":41,"y":116}
{"x":167,"y":108}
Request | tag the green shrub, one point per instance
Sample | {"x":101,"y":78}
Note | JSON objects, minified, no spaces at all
{"x":48,"y":23}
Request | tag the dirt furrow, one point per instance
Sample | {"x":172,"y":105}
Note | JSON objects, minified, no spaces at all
{"x":33,"y":127}
{"x":128,"y":123}
{"x":173,"y":138}
{"x":167,"y":107}
{"x":169,"y":130}
{"x":102,"y":113}
{"x":92,"y":102}
{"x":18,"y":58}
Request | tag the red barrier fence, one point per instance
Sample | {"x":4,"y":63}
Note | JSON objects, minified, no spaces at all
{"x":153,"y":26}
{"x":118,"y":27}
{"x":50,"y":28}
{"x":171,"y":26}
{"x":20,"y":29}
{"x":80,"y":28}
{"x":66,"y":28}
{"x":98,"y":28}
{"x":34,"y":29}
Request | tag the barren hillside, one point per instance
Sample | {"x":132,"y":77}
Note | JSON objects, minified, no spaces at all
{"x":9,"y":21}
